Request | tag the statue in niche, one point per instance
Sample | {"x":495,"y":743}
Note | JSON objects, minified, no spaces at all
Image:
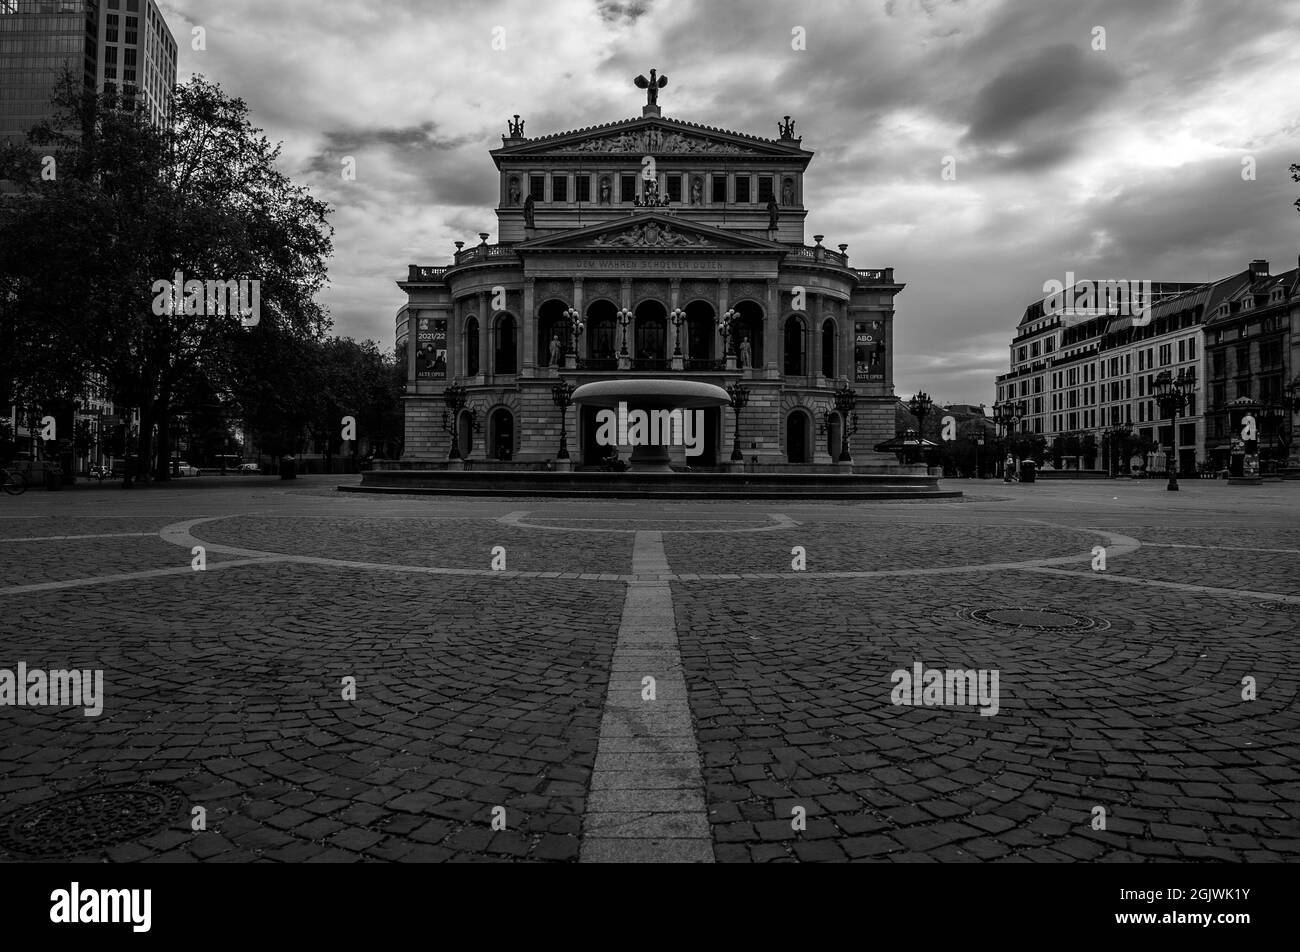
{"x":529,"y":212}
{"x":773,"y":214}
{"x":746,"y":353}
{"x":787,"y":192}
{"x":514,"y":193}
{"x":604,"y":190}
{"x":555,"y":350}
{"x":697,"y":191}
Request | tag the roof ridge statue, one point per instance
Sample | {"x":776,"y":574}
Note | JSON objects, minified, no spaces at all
{"x":652,"y":87}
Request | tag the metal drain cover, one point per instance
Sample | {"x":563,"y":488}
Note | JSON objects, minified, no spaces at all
{"x":89,"y":820}
{"x":1034,"y":619}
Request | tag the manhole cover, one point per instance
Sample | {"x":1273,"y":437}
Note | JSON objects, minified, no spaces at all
{"x":1278,"y":606}
{"x":90,"y":820}
{"x":1036,"y":619}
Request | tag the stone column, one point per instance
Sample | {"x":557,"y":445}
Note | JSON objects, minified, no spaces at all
{"x":484,"y":334}
{"x":528,"y":332}
{"x":771,"y":332}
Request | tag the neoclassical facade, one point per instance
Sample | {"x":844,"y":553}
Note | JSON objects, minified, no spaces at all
{"x":648,"y":248}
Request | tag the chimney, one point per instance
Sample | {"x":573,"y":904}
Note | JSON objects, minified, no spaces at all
{"x":1259,"y":268}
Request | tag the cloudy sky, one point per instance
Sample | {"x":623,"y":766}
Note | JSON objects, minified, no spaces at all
{"x":1122,"y":162}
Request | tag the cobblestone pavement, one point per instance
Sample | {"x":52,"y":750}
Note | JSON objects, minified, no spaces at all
{"x":1120,"y":689}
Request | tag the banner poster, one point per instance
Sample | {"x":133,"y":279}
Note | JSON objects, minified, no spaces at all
{"x":431,"y":349}
{"x":869,"y":351}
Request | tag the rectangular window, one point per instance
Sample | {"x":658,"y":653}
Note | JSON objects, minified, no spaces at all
{"x":627,"y":188}
{"x":1033,"y":349}
{"x":1243,"y":359}
{"x":1191,"y":405}
{"x":110,"y":34}
{"x":766,"y":190}
{"x":1219,"y":364}
{"x":1182,"y":351}
{"x":719,"y":190}
{"x":559,"y":188}
{"x":537,"y":187}
{"x":674,"y":188}
{"x":1166,"y":354}
{"x":583,"y":188}
{"x":742,"y":189}
{"x":132,"y":37}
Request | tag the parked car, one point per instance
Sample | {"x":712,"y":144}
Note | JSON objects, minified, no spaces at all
{"x":250,"y":469}
{"x":185,"y":469}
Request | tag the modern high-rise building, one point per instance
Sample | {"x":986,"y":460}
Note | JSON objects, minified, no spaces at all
{"x":123,"y":42}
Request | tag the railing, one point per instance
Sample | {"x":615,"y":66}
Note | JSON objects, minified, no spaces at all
{"x":419,"y":273}
{"x":598,"y":363}
{"x":484,"y":252}
{"x":706,"y":366}
{"x":651,"y":365}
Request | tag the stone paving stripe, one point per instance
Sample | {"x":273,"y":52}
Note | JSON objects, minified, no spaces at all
{"x":129,"y":576}
{"x":1177,"y":586}
{"x":73,"y":538}
{"x":630,"y":850}
{"x":647,"y":750}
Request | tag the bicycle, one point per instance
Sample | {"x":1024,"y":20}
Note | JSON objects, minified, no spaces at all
{"x":15,"y":483}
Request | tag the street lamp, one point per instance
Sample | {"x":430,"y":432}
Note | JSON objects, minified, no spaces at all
{"x":1291,"y":406}
{"x":739,"y":399}
{"x":562,"y":395}
{"x":455,"y":398}
{"x":920,"y":406}
{"x":678,"y":316}
{"x":574,"y":328}
{"x":624,"y":319}
{"x":1172,"y":393}
{"x":846,"y":398}
{"x":724,"y":328}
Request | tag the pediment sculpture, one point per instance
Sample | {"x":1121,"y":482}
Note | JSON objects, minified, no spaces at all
{"x":651,"y":235}
{"x":658,"y":141}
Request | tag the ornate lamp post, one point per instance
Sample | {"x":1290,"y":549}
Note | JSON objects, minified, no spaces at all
{"x":678,"y":317}
{"x":573,"y":328}
{"x":725,"y":323}
{"x":455,"y":398}
{"x":1291,"y":406}
{"x":920,"y":406}
{"x":562,"y":395}
{"x":624,"y":317}
{"x":1171,"y":393}
{"x":739,"y":395}
{"x":846,"y":398}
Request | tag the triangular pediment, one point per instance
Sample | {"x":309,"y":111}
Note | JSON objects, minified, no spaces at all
{"x":649,"y":232}
{"x":651,"y":135}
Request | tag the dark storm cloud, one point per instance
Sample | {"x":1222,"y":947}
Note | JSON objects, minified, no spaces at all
{"x":1124,"y":159}
{"x":613,"y":11}
{"x":1059,"y":85}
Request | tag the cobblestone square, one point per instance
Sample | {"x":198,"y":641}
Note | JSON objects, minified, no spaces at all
{"x":357,"y":678}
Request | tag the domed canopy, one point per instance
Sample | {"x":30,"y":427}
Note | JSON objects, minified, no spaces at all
{"x":684,"y":394}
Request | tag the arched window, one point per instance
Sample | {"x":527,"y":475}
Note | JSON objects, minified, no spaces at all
{"x":471,"y":347}
{"x":506,"y":353}
{"x":828,"y":349}
{"x":794,"y":348}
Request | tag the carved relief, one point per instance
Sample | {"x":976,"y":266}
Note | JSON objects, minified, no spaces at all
{"x":651,"y":235}
{"x":651,"y":289}
{"x":552,"y":289}
{"x":755,"y":290}
{"x":594,"y":290}
{"x":658,"y":141}
{"x":700,"y":290}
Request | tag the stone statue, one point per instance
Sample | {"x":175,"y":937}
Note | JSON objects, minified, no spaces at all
{"x":746,"y":353}
{"x":604,"y":191}
{"x":773,"y":213}
{"x":514,"y":195}
{"x":697,"y":191}
{"x":652,"y":87}
{"x":787,"y":192}
{"x":555,"y":350}
{"x":529,"y":206}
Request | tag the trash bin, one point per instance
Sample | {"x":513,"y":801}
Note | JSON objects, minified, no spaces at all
{"x":289,"y":468}
{"x":1027,"y":471}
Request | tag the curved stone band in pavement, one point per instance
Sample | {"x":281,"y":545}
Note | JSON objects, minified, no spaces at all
{"x":521,"y":690}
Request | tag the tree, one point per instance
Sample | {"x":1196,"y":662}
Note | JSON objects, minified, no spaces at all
{"x":133,"y":205}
